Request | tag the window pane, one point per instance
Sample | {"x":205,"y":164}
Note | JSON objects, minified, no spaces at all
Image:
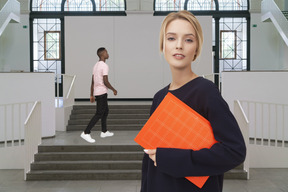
{"x":228,"y":44}
{"x":169,"y":5}
{"x":239,"y":61}
{"x":40,"y":26}
{"x":52,"y":45}
{"x":46,"y":5}
{"x":233,"y":5}
{"x":110,"y":5}
{"x":78,"y":5}
{"x":201,"y":5}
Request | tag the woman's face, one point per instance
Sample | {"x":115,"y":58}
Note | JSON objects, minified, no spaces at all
{"x":180,"y":44}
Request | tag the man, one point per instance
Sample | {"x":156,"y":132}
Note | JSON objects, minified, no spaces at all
{"x":99,"y":88}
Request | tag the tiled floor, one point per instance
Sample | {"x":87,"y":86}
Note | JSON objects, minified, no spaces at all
{"x":261,"y":180}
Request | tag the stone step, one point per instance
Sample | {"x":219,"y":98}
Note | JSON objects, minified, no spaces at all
{"x":236,"y":174}
{"x":85,"y":175}
{"x":87,"y":156}
{"x":79,"y":107}
{"x":285,"y":13}
{"x":89,"y":148}
{"x":110,"y":121}
{"x":112,"y":111}
{"x":112,"y":128}
{"x":87,"y":165}
{"x":111,"y":116}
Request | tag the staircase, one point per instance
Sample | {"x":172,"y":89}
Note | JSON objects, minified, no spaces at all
{"x":285,"y":13}
{"x":99,"y":162}
{"x":271,"y":12}
{"x":91,"y":162}
{"x":120,"y":118}
{"x":10,"y":12}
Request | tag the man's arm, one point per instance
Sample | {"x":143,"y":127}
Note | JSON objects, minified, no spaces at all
{"x":107,"y":84}
{"x":92,"y":98}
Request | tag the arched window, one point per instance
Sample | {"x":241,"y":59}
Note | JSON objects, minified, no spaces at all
{"x":46,"y":5}
{"x":201,"y":5}
{"x":110,"y":5}
{"x":233,"y":5}
{"x":169,"y":5}
{"x":78,"y":5}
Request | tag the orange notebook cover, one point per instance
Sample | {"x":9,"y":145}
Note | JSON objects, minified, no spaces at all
{"x":175,"y":125}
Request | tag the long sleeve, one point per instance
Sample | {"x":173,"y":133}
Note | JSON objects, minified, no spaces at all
{"x":229,"y":152}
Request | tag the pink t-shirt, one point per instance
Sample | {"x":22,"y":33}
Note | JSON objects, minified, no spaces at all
{"x":99,"y":70}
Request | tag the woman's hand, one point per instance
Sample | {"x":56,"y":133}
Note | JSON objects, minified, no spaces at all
{"x":152,"y":154}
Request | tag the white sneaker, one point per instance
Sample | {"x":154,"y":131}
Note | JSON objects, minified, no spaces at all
{"x":87,"y":137}
{"x":107,"y":134}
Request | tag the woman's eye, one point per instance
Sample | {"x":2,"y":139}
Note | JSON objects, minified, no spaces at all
{"x":189,"y":40}
{"x":170,"y":38}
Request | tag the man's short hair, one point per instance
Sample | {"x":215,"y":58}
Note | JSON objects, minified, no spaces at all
{"x":100,"y":50}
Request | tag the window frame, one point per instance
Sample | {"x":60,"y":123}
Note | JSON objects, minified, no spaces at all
{"x":234,"y":44}
{"x":45,"y":45}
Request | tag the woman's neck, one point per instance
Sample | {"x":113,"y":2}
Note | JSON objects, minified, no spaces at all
{"x":181,"y":77}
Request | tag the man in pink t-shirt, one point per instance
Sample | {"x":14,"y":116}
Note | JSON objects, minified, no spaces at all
{"x":99,"y":88}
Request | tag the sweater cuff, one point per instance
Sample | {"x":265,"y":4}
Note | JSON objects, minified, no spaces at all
{"x":174,"y":162}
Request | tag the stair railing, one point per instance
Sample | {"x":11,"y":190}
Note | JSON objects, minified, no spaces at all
{"x":67,"y":82}
{"x":33,"y":132}
{"x":10,"y":11}
{"x":244,"y":126}
{"x":270,"y":10}
{"x":12,"y":118}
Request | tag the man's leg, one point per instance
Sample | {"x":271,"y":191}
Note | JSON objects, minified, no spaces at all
{"x":100,"y":109}
{"x":104,"y":132}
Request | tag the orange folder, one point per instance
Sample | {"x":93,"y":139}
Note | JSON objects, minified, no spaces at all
{"x":175,"y":125}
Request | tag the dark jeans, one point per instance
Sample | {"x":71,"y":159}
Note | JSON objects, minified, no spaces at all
{"x":102,"y":111}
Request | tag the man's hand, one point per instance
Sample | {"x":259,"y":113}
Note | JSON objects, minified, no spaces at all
{"x":92,"y":99}
{"x":115,"y":92}
{"x":152,"y":155}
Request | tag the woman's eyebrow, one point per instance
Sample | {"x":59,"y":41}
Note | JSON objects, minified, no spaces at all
{"x":189,"y":34}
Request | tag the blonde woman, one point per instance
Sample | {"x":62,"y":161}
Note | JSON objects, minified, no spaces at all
{"x":165,"y":169}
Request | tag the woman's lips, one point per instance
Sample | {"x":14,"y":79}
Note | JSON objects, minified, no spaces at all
{"x":178,"y":56}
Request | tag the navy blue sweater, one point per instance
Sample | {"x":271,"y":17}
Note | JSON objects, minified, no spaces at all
{"x":173,"y":165}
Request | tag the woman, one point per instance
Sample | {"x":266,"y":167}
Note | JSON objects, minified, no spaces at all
{"x":165,"y":169}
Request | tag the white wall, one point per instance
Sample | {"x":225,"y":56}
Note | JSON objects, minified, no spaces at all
{"x":14,"y":47}
{"x":262,"y":86}
{"x":137,"y":69}
{"x":268,"y":50}
{"x":30,"y":87}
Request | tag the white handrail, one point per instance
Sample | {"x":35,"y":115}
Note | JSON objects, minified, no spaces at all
{"x":71,"y":86}
{"x":67,"y":82}
{"x":243,"y":124}
{"x":33,"y":131}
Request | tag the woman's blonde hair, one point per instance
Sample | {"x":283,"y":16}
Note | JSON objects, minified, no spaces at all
{"x":187,"y":16}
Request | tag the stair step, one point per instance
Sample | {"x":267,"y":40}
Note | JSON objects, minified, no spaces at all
{"x":236,"y":174}
{"x":89,"y":148}
{"x":87,"y":165}
{"x":112,"y":111}
{"x":77,"y":107}
{"x":127,"y":127}
{"x":112,"y":116}
{"x":85,"y":175}
{"x":82,"y":156}
{"x":109,"y":121}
